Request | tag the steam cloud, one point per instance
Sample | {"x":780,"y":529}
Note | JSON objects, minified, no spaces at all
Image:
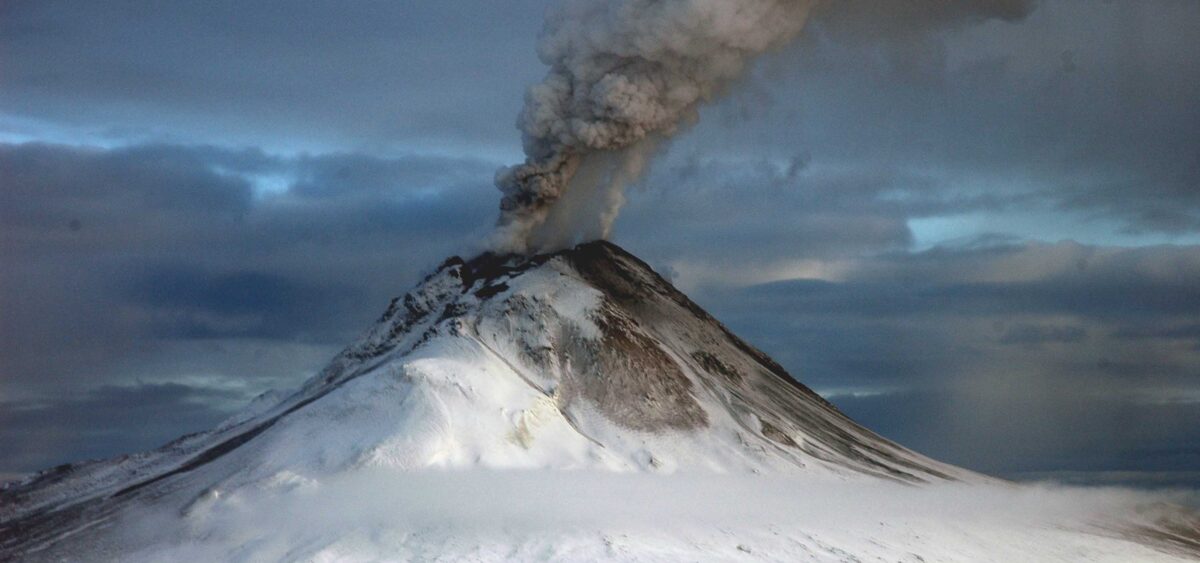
{"x":624,"y":74}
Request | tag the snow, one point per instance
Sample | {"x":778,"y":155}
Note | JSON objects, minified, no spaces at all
{"x":477,"y":515}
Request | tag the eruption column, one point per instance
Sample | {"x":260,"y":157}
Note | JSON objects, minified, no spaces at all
{"x":624,"y":74}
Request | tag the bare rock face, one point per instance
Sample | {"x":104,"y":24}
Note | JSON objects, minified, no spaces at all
{"x":580,"y":358}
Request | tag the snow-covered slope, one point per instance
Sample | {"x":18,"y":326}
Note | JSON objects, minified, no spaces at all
{"x":583,"y":360}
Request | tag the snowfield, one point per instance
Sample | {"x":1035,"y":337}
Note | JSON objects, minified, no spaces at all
{"x":571,"y":406}
{"x":482,"y":515}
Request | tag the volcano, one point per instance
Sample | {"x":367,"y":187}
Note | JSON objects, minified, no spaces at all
{"x":569,"y":405}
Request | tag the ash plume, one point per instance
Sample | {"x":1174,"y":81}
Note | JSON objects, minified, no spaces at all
{"x":627,"y":74}
{"x":624,"y":74}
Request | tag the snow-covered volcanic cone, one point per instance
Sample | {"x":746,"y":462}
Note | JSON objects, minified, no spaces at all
{"x":566,"y":406}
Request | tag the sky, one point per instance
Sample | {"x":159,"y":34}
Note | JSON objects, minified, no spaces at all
{"x":974,"y":226}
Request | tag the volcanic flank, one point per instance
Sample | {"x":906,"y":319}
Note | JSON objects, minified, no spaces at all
{"x":582,"y":360}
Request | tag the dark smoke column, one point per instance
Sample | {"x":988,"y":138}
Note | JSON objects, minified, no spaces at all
{"x":623,"y":75}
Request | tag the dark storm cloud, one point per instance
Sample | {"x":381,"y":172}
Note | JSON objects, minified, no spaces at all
{"x":1065,"y":294}
{"x":1110,"y":135}
{"x":111,"y":253}
{"x":871,"y":20}
{"x":1012,"y":358}
{"x":1185,"y":331}
{"x":172,"y":189}
{"x":308,"y":72}
{"x":753,"y":213}
{"x":1082,"y":107}
{"x":1036,"y":334}
{"x":781,"y":209}
{"x":1021,"y":434}
{"x":346,"y":174}
{"x":1098,"y":297}
{"x":96,"y":423}
{"x":181,"y":302}
{"x":48,"y":187}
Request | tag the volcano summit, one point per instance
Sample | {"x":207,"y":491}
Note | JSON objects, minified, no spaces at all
{"x":571,"y":405}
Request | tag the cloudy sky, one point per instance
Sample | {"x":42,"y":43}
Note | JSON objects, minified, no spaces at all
{"x":974,"y":226}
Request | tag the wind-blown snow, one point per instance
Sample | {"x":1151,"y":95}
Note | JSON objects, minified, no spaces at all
{"x":387,"y":515}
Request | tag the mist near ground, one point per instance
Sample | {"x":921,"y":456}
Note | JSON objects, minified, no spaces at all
{"x":505,"y":514}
